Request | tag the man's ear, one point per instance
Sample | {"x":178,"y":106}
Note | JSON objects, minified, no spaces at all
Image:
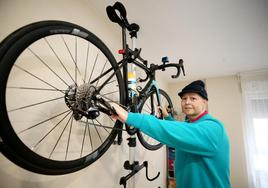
{"x":206,"y":104}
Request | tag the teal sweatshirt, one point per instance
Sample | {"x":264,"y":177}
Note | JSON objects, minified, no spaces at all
{"x":201,"y":148}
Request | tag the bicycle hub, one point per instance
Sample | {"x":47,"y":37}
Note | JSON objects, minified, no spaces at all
{"x":81,"y":100}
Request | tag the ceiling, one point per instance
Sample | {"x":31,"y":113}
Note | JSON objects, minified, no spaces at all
{"x":214,"y":38}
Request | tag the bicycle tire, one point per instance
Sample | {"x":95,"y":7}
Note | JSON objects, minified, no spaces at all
{"x":30,"y":68}
{"x":148,"y":142}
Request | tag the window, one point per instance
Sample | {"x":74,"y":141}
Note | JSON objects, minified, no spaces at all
{"x":260,"y":144}
{"x":255,"y":98}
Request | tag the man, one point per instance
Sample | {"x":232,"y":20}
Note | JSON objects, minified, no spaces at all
{"x":201,"y":143}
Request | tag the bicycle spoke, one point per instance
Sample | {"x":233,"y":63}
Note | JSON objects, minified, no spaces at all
{"x":33,"y":148}
{"x":96,"y":58}
{"x":43,"y":62}
{"x":38,"y":78}
{"x":69,"y":138}
{"x":97,"y":125}
{"x":147,"y":105}
{"x":113,"y":121}
{"x":89,"y":134}
{"x":85,"y":75}
{"x":59,"y":60}
{"x":76,"y":68}
{"x":33,"y":126}
{"x":102,"y":71}
{"x":59,"y":137}
{"x":148,"y":111}
{"x":75,"y":56}
{"x":101,"y":75}
{"x":109,"y":78}
{"x":33,"y":88}
{"x":104,"y":83}
{"x":84,"y":136}
{"x":110,"y":93}
{"x":110,"y":82}
{"x":152,"y":105}
{"x":102,"y":126}
{"x":97,"y":132}
{"x":34,"y":104}
{"x":162,"y":101}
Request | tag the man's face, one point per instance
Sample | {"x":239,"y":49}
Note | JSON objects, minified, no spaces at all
{"x":193,"y":105}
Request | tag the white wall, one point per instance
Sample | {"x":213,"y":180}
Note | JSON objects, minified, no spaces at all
{"x":225,"y":98}
{"x":225,"y":104}
{"x":106,"y":172}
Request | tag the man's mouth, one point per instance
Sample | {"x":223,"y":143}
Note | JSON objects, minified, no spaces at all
{"x":188,"y":108}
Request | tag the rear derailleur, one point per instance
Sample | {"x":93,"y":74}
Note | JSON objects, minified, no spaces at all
{"x":85,"y":101}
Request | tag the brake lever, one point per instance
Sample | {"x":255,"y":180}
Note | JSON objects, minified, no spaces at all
{"x":178,"y":73}
{"x":179,"y":67}
{"x":182,"y":67}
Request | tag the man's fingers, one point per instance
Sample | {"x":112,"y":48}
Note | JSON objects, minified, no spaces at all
{"x":114,"y":117}
{"x":120,"y":113}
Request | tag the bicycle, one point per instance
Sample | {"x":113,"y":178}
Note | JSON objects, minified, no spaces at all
{"x":54,"y":110}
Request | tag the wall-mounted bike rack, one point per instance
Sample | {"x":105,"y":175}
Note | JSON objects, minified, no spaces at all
{"x":134,"y":166}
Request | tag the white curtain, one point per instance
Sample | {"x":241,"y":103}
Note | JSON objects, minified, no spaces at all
{"x":255,"y":107}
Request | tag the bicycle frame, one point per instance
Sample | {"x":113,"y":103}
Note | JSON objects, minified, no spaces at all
{"x":131,"y":59}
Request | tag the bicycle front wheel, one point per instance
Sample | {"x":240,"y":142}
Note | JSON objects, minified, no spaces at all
{"x":150,"y":107}
{"x":49,"y":72}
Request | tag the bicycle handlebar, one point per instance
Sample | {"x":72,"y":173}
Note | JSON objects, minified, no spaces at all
{"x":179,"y":67}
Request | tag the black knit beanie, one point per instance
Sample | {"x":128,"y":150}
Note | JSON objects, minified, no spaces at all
{"x":197,"y":86}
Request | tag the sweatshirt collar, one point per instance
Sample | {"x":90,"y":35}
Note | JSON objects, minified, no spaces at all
{"x":198,"y":117}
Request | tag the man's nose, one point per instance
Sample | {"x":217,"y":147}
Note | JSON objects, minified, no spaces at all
{"x":187,"y":101}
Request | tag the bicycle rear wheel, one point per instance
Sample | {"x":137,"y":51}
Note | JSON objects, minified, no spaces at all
{"x":150,"y":107}
{"x":49,"y":72}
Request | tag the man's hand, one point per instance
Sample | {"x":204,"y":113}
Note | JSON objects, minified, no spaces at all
{"x":121,"y":115}
{"x":163,"y":111}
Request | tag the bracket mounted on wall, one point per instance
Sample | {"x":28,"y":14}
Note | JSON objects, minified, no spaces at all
{"x":135,"y":167}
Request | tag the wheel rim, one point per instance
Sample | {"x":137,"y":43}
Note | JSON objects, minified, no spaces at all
{"x":36,"y":98}
{"x":150,"y":107}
